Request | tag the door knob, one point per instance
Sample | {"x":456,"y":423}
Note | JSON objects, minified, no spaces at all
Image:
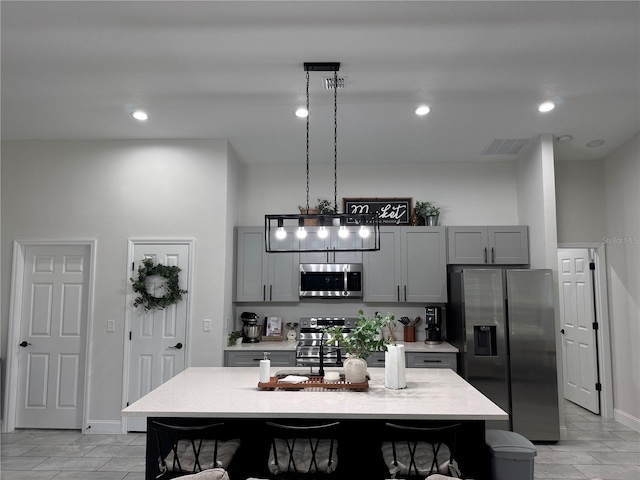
{"x":562,"y":331}
{"x":24,"y":344}
{"x":177,"y":346}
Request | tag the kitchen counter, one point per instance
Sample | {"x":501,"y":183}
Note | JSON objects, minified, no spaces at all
{"x":433,"y":397}
{"x":431,"y":394}
{"x":419,"y":346}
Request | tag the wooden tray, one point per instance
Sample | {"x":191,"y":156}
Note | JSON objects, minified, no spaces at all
{"x":313,"y":382}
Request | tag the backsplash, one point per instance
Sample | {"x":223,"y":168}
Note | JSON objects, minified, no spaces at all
{"x":290,"y":312}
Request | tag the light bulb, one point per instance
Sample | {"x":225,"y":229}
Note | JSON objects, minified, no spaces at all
{"x":546,"y":107}
{"x":140,"y":115}
{"x":323,"y":232}
{"x":363,"y":232}
{"x":422,"y":110}
{"x":343,"y":232}
{"x":301,"y":233}
{"x":281,"y":234}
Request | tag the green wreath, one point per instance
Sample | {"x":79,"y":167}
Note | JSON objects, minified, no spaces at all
{"x":173,"y":295}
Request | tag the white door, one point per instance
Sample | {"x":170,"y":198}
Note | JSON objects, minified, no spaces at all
{"x":157,"y":339}
{"x":51,"y":359}
{"x":579,"y":336}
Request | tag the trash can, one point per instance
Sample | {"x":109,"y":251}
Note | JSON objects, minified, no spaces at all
{"x":512,"y":455}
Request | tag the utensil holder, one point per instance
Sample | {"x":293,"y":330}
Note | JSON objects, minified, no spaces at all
{"x":409,"y":334}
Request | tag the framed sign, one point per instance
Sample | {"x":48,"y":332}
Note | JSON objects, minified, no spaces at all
{"x":391,"y":211}
{"x":273,"y":329}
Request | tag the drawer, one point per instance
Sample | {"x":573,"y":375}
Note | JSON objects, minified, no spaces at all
{"x":376,"y":360}
{"x":431,"y":360}
{"x":252,"y":359}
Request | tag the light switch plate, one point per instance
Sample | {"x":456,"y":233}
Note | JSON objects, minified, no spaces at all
{"x":206,"y":325}
{"x":111,"y":325}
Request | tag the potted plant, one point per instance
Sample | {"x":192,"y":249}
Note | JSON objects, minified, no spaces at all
{"x":325,"y":207}
{"x":429,"y":211}
{"x":362,"y":341}
{"x":234,"y":337}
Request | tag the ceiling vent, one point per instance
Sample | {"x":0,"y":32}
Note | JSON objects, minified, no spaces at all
{"x":328,"y":82}
{"x":509,"y":146}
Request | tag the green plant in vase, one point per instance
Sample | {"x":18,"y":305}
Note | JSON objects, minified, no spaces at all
{"x":363,"y":340}
{"x":429,"y":211}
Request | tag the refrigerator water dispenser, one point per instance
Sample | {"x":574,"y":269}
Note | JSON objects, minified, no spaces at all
{"x":484,"y":340}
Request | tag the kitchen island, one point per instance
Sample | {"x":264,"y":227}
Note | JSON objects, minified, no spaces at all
{"x":432,"y":397}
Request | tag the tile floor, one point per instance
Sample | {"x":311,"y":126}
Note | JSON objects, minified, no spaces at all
{"x":597,"y":449}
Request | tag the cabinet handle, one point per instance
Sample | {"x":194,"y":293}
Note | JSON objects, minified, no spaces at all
{"x":493,"y":255}
{"x":380,"y":360}
{"x":398,"y":292}
{"x":264,"y":292}
{"x":405,"y":293}
{"x":432,"y":361}
{"x":270,"y":292}
{"x":485,"y":255}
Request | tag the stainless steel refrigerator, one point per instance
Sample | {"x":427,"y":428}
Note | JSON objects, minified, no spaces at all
{"x":502,"y":320}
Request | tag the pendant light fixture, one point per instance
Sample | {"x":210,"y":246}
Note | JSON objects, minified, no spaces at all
{"x":332,"y":232}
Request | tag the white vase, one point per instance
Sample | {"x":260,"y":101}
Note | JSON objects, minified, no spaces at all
{"x":355,"y":370}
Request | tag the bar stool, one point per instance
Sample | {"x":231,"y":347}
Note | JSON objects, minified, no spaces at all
{"x":416,"y":452}
{"x":191,"y":449}
{"x":302,"y":450}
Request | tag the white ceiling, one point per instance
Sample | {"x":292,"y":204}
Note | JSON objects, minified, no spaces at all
{"x":75,"y":70}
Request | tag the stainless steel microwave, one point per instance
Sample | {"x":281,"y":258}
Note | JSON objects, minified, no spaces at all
{"x":331,"y":280}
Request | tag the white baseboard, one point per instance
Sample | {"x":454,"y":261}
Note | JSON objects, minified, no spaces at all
{"x":626,"y":419}
{"x":103,"y":426}
{"x":564,"y":434}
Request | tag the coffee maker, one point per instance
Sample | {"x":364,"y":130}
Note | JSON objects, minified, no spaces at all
{"x":251,"y":330}
{"x":433,"y":317}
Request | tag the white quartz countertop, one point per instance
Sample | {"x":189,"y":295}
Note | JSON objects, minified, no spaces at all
{"x":420,"y":346}
{"x":431,"y":394}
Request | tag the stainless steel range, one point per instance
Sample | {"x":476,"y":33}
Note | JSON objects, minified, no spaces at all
{"x":312,"y":341}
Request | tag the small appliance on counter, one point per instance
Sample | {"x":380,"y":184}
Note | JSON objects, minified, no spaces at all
{"x":433,"y":318}
{"x":251,"y":330}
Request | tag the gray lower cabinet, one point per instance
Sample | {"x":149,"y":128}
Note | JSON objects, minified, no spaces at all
{"x":411,"y":266}
{"x":252,"y":359}
{"x":261,"y":276}
{"x":419,"y":360}
{"x":432,"y":360}
{"x":493,"y":245}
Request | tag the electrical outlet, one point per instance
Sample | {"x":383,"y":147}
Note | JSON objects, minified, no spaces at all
{"x":206,"y":325}
{"x":111,"y":325}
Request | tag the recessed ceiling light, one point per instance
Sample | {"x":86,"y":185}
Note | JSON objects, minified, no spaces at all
{"x":422,"y":110}
{"x":564,"y":138}
{"x":302,"y":112}
{"x":594,"y":143}
{"x":140,"y":115}
{"x":546,"y":107}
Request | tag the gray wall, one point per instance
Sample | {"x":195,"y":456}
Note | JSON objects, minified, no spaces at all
{"x":580,"y":198}
{"x":622,"y":244}
{"x":111,"y":191}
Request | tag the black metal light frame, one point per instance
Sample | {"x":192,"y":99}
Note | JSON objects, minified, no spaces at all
{"x":291,"y":223}
{"x":273,"y":222}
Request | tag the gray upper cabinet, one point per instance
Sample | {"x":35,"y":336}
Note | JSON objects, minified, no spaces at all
{"x":261,"y":276}
{"x":502,"y":245}
{"x":410,"y":266}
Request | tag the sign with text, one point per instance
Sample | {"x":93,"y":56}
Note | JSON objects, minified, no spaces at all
{"x":391,"y":211}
